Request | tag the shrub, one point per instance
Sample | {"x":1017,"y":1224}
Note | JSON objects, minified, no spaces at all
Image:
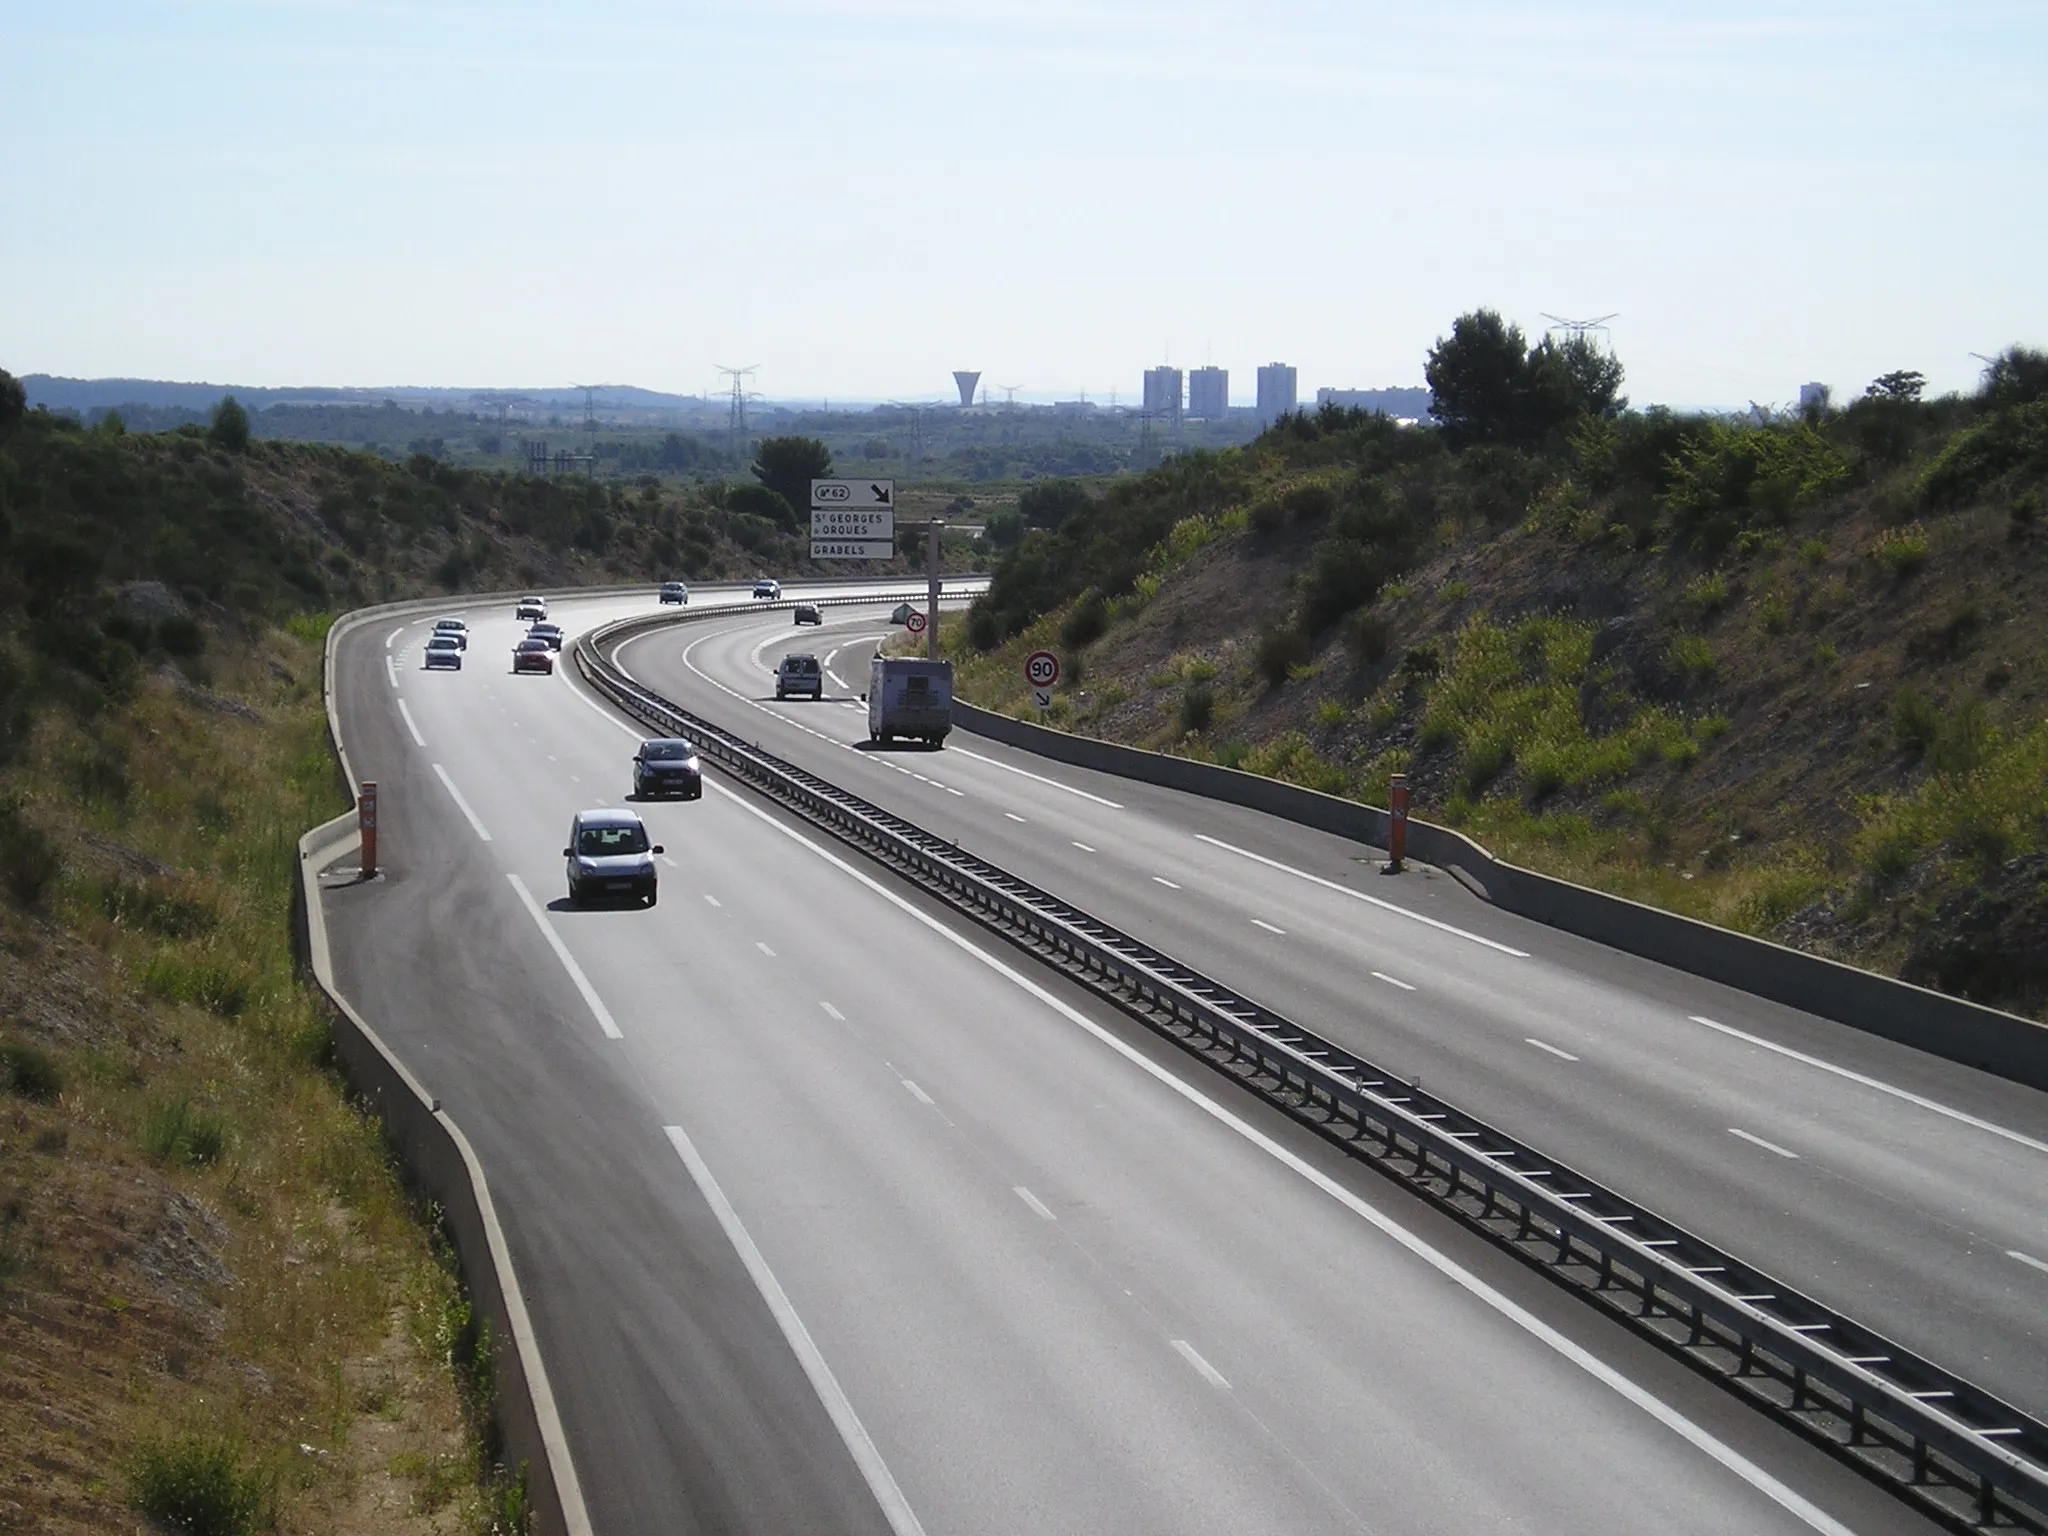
{"x":1726,"y":476}
{"x":1342,"y":574}
{"x":30,"y":1071}
{"x":1693,"y":656}
{"x":1707,"y":595}
{"x":1279,"y":652}
{"x":175,"y":1132}
{"x":157,"y":906}
{"x":2012,"y":443}
{"x":1775,"y":613}
{"x":1197,"y":706}
{"x":1963,"y":741}
{"x":29,"y":861}
{"x":195,"y":1485}
{"x":181,"y":636}
{"x":1331,"y":714}
{"x":1902,"y":551}
{"x":230,"y":426}
{"x":1087,"y":623}
{"x":220,"y":986}
{"x":1813,"y":551}
{"x":1370,"y":638}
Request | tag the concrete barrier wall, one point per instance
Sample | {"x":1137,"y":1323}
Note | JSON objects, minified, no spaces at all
{"x":1998,"y":1042}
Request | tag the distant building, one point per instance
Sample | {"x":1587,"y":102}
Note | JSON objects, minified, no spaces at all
{"x":1208,"y":393}
{"x":1276,"y":392}
{"x":1162,"y":392}
{"x":1814,"y":397}
{"x":1402,"y":404}
{"x":965,"y":383}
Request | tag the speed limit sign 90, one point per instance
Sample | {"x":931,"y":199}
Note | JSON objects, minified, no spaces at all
{"x":1041,"y":669}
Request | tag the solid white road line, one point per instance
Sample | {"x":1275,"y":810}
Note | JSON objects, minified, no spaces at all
{"x":418,"y":739}
{"x":1027,"y":773}
{"x":1260,"y":858}
{"x":1393,"y":981}
{"x":393,"y":636}
{"x":1260,"y":922}
{"x":833,"y":1011}
{"x":1758,"y":1141}
{"x":2027,"y":1258}
{"x":1162,"y":880}
{"x":764,"y":949}
{"x":1541,"y":1046}
{"x":391,"y":670}
{"x":1871,"y":1082}
{"x":602,"y":1014}
{"x":895,"y":1507}
{"x":460,"y":803}
{"x":1084,"y":847}
{"x":1036,"y":1204}
{"x":1642,"y":1398}
{"x":918,"y":1093}
{"x":1208,"y":1372}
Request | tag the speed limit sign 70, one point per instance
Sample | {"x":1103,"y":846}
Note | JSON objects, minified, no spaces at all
{"x":1041,"y":669}
{"x":914,"y":622}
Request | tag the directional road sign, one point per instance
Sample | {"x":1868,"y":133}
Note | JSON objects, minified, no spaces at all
{"x":1042,"y":697}
{"x":1041,"y":669}
{"x":853,"y":519}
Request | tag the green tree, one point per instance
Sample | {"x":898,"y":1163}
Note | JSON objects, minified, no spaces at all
{"x":2017,"y":376}
{"x":1478,"y":379}
{"x":1049,"y":503}
{"x":760,"y":501}
{"x":13,"y":399}
{"x":230,"y":428}
{"x":788,"y":465}
{"x":1902,"y":384}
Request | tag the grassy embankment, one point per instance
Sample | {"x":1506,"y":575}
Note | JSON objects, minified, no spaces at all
{"x":1786,"y":677}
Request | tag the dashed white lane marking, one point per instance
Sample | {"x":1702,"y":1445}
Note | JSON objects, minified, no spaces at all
{"x":575,"y":778}
{"x":1260,"y":922}
{"x":1041,"y":778}
{"x":1871,"y":1082}
{"x":764,"y":949}
{"x":1208,"y":1372}
{"x":1642,"y":1398}
{"x":917,"y":1093}
{"x":602,"y":1014}
{"x":1442,"y":927}
{"x":462,"y":804}
{"x":393,"y":636}
{"x":671,"y":863}
{"x":1011,"y":814}
{"x":2027,"y":1258}
{"x":552,"y":758}
{"x":391,"y":670}
{"x":418,"y":739}
{"x":833,"y":1011}
{"x":1393,"y":981}
{"x":881,"y":1482}
{"x":1543,"y":1046}
{"x":1768,"y":1146}
{"x":1162,"y":880}
{"x":1037,"y":1205}
{"x":713,"y":899}
{"x":1084,"y":847}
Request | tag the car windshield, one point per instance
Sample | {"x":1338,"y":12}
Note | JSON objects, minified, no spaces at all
{"x":533,"y":645}
{"x":441,"y":643}
{"x":668,"y":751}
{"x":605,"y":842}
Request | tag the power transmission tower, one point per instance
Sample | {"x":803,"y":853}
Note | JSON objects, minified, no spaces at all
{"x":1578,"y":330}
{"x":590,"y":403}
{"x":736,"y":413}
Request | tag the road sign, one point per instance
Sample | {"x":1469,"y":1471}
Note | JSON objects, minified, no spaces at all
{"x":1041,"y":669}
{"x":914,"y":622}
{"x":855,"y":495}
{"x":853,"y":519}
{"x":1042,"y":697}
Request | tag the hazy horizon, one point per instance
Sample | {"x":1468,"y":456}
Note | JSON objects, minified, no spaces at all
{"x":861,"y":197}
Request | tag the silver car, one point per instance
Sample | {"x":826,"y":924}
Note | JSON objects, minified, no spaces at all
{"x":443,"y":650}
{"x":609,"y":855}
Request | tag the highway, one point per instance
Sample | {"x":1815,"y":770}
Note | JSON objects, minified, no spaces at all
{"x":835,"y":1214}
{"x":1906,"y":1194}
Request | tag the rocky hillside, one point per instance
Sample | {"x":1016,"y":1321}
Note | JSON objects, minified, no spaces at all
{"x":1784,"y":675}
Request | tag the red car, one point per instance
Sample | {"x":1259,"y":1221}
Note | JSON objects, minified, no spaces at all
{"x":532,"y":655}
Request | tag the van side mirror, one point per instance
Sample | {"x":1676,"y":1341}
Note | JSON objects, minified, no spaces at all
{"x":659,"y":849}
{"x":863,"y":698}
{"x":568,"y":853}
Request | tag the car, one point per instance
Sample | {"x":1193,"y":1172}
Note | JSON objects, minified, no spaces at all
{"x":552,"y":633}
{"x":453,"y":627}
{"x":674,"y":592}
{"x":807,"y":613}
{"x":531,"y":608}
{"x":767,"y":588}
{"x":609,"y":855}
{"x":531,"y":655}
{"x":667,"y":765}
{"x":443,"y":651}
{"x":799,"y":673}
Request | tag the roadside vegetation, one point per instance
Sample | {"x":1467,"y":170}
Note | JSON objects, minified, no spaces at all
{"x":1784,"y":671}
{"x":219,"y":1309}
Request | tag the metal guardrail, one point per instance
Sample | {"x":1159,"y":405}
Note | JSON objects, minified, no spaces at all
{"x":1955,"y":1451}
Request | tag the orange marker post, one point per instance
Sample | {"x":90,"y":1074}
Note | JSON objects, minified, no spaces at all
{"x":1397,"y":824}
{"x":366,"y":818}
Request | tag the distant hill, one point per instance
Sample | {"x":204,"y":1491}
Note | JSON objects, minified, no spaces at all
{"x":87,"y":395}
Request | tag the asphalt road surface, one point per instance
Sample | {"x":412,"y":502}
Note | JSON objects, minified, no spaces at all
{"x":834,"y":1214}
{"x":1900,"y":1188}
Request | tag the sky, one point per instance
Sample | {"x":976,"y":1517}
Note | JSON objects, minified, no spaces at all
{"x":858,"y":198}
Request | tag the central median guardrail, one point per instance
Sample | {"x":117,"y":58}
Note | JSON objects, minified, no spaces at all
{"x":1954,"y":1450}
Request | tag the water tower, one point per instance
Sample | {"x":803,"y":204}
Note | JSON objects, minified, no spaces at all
{"x":967,"y":383}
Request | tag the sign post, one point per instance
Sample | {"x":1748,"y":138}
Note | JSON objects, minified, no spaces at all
{"x":1397,"y":825}
{"x":366,"y":821}
{"x":931,"y":557}
{"x":1041,"y":671}
{"x":853,"y":519}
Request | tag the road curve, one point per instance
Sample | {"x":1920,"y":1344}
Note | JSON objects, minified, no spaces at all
{"x":1897,"y":1187}
{"x":833,"y":1215}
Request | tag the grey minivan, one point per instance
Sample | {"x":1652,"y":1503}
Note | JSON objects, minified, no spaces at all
{"x":609,"y":855}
